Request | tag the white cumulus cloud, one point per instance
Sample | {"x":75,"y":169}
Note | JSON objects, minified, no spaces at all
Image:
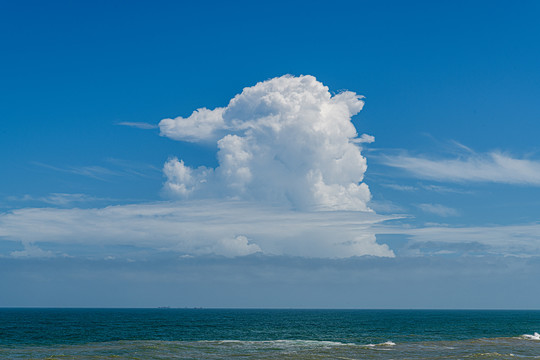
{"x":283,"y":141}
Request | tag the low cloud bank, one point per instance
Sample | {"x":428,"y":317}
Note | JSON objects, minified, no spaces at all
{"x":192,"y":228}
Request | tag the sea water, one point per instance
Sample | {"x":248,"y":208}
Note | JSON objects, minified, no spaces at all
{"x":267,"y":334}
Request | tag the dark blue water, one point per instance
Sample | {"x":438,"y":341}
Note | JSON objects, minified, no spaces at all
{"x":179,"y":332}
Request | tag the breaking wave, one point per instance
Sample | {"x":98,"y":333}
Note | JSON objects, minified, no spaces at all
{"x":536,"y":336}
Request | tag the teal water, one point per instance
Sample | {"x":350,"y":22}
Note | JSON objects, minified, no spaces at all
{"x":267,"y":334}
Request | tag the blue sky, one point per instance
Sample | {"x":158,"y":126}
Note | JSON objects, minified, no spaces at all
{"x":260,"y":200}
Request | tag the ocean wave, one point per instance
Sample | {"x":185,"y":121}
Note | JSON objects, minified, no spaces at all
{"x":536,"y":336}
{"x":284,"y":342}
{"x":296,"y":343}
{"x":484,"y":348}
{"x":386,"y":343}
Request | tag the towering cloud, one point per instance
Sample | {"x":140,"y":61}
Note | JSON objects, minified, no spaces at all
{"x":285,"y":141}
{"x":288,"y":183}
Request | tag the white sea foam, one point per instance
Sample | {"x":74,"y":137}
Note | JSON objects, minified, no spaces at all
{"x":296,"y":343}
{"x":536,"y":336}
{"x":281,"y":343}
{"x":386,"y":343}
{"x":311,"y":342}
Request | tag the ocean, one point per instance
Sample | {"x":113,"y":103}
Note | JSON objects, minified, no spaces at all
{"x":267,"y":334}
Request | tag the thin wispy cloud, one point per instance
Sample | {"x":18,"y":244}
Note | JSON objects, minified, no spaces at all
{"x":428,"y":187}
{"x":139,"y":125}
{"x":386,"y":207}
{"x":59,"y":199}
{"x":438,"y":209}
{"x":400,"y":187}
{"x":444,"y":189}
{"x":521,"y":240}
{"x":92,"y":171}
{"x":138,"y":169}
{"x":116,"y":168}
{"x":492,"y":167}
